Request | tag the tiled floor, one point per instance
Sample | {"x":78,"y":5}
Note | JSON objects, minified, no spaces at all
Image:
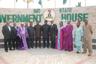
{"x":45,"y":56}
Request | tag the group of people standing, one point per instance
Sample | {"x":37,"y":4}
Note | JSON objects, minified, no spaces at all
{"x":26,"y":36}
{"x":62,"y":37}
{"x":69,"y":37}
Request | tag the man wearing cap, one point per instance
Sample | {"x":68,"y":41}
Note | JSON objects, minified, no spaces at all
{"x":87,"y":38}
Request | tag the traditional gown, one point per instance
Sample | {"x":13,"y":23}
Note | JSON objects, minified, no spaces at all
{"x":59,"y":39}
{"x":78,"y":34}
{"x":68,"y":38}
{"x":88,"y":38}
{"x":19,"y":40}
{"x":23,"y":34}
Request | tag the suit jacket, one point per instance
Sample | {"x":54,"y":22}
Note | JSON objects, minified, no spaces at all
{"x":45,"y":30}
{"x":31,"y":31}
{"x":6,"y":32}
{"x":37,"y":31}
{"x":53,"y":30}
{"x":14,"y":32}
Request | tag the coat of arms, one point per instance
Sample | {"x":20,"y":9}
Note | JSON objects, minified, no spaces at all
{"x":49,"y":15}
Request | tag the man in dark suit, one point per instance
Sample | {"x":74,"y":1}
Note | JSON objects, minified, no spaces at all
{"x":37,"y":34}
{"x":6,"y":30}
{"x":14,"y":36}
{"x":45,"y":33}
{"x":31,"y":32}
{"x":53,"y":31}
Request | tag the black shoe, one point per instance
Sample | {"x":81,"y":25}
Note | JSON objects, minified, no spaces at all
{"x":83,"y":52}
{"x":6,"y":50}
{"x":43,"y":46}
{"x":28,"y":47}
{"x":10,"y":49}
{"x":31,"y":47}
{"x":13,"y":48}
{"x":39,"y":46}
{"x":89,"y":55}
{"x":77,"y":52}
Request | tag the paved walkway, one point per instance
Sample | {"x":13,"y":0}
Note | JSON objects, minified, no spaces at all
{"x":45,"y":56}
